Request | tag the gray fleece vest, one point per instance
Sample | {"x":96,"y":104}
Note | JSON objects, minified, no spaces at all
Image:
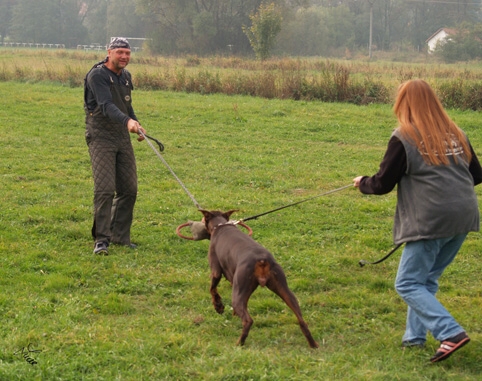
{"x":434,"y":201}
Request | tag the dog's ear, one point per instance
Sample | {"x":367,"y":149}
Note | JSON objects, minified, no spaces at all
{"x":228,"y":213}
{"x":207,"y":214}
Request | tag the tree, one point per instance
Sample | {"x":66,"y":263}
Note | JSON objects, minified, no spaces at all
{"x":304,"y":34}
{"x":206,"y":27}
{"x":48,"y":21}
{"x":265,"y":26}
{"x":197,"y":26}
{"x":6,"y":11}
{"x":131,"y":25}
{"x":463,"y":46}
{"x":93,"y":16}
{"x":317,"y":31}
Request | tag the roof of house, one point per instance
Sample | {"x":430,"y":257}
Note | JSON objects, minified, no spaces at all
{"x":449,"y":31}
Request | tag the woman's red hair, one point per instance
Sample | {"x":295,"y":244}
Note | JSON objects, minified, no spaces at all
{"x":425,"y":123}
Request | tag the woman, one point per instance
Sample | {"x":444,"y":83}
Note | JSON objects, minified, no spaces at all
{"x":431,"y":160}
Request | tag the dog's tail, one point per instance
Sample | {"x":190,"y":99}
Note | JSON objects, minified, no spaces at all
{"x":262,"y":271}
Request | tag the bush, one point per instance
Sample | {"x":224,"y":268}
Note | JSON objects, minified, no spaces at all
{"x":287,"y":78}
{"x":461,"y":94}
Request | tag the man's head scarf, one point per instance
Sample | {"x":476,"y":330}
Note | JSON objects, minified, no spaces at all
{"x":119,"y":42}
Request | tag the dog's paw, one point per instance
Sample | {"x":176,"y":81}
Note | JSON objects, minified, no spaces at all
{"x":219,"y":307}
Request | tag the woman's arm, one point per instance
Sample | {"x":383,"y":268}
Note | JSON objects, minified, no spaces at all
{"x":392,"y":168}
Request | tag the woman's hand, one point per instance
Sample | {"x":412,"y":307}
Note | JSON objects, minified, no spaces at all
{"x":356,"y":181}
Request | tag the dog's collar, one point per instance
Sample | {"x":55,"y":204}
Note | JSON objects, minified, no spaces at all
{"x":233,"y":223}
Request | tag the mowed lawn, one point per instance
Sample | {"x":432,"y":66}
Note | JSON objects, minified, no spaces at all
{"x":146,"y":314}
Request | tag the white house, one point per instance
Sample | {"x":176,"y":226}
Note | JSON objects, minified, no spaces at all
{"x":439,"y":37}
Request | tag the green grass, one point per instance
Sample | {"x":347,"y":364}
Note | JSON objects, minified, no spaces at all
{"x":146,"y":314}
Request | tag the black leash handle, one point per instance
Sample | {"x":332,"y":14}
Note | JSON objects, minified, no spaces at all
{"x":161,"y":146}
{"x":363,"y":262}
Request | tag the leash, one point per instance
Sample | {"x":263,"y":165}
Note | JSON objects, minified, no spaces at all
{"x":241,"y":221}
{"x":296,"y":203}
{"x":363,"y":262}
{"x":161,"y":148}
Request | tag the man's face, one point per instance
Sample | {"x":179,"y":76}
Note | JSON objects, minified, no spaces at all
{"x":119,"y":58}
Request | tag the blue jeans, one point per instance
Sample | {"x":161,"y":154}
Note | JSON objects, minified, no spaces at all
{"x":421,"y":265}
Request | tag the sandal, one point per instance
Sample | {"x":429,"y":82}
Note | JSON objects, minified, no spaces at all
{"x":449,"y":346}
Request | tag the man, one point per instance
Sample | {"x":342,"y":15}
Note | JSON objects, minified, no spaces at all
{"x":109,"y":120}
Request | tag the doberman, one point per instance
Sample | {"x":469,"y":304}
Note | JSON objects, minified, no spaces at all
{"x":245,"y":264}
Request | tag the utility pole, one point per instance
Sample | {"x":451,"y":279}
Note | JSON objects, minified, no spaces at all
{"x":371,"y":30}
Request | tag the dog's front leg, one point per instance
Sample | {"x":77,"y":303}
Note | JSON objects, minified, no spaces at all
{"x":216,"y":298}
{"x":216,"y":275}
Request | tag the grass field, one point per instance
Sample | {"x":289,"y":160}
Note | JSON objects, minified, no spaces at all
{"x":146,"y":314}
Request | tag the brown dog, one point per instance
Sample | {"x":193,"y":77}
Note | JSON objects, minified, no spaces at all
{"x":245,"y":264}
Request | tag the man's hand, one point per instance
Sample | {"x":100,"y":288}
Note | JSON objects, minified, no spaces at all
{"x":135,"y":127}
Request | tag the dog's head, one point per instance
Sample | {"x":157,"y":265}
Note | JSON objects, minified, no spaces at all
{"x":213,"y":218}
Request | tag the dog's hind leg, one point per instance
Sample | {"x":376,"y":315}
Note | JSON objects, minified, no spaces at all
{"x":279,"y":286}
{"x":241,"y":293}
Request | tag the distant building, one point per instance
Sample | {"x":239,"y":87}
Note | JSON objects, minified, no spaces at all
{"x":440,"y":36}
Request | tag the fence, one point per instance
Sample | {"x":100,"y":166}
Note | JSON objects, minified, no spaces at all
{"x":32,"y":45}
{"x":95,"y":47}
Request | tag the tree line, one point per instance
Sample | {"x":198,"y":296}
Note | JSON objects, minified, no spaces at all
{"x":206,"y":27}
